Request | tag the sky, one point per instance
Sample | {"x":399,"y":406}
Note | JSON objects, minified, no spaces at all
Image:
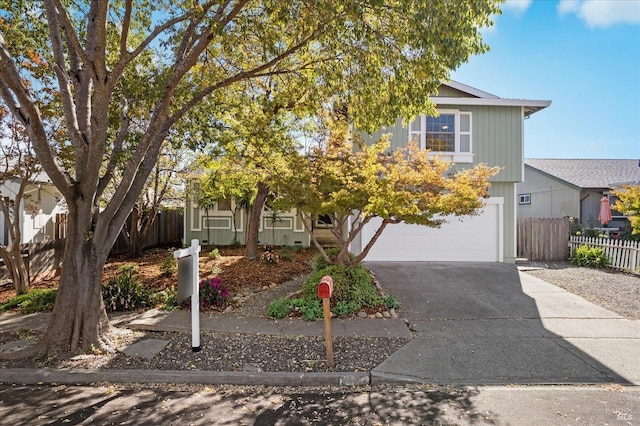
{"x":584,"y":56}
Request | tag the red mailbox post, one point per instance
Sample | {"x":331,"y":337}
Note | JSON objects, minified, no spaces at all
{"x":325,"y":289}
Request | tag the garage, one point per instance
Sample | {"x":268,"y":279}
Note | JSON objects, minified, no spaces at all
{"x":468,"y":238}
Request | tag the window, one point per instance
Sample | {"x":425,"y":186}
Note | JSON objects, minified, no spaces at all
{"x":323,"y":221}
{"x":448,"y":133}
{"x":524,"y":199}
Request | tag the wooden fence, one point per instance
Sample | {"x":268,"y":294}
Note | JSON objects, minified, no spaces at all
{"x":167,"y":230}
{"x":45,"y":257}
{"x":543,"y":238}
{"x":622,"y":254}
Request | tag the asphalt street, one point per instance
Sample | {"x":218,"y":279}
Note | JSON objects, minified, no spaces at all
{"x":246,"y":405}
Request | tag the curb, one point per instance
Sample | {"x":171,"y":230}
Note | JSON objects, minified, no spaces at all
{"x":30,"y":376}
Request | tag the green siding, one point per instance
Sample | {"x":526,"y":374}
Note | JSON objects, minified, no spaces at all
{"x":497,"y":138}
{"x":550,"y":197}
{"x":288,"y":231}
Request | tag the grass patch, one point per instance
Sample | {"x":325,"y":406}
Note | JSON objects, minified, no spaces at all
{"x":38,"y":300}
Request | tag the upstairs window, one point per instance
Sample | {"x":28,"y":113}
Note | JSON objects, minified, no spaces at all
{"x":448,"y":133}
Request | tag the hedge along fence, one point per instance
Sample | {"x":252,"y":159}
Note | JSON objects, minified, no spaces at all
{"x":622,"y":254}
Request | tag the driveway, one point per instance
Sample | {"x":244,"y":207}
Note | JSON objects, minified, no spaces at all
{"x":487,"y":323}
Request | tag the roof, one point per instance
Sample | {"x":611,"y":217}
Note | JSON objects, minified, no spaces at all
{"x":593,"y":173}
{"x":479,"y":97}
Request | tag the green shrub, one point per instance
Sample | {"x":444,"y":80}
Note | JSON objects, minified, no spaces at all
{"x":38,"y":300}
{"x":123,"y":291}
{"x":391,"y":302}
{"x":168,"y":298}
{"x":279,"y":308}
{"x":310,"y":309}
{"x":320,"y":263}
{"x":168,"y":266}
{"x":593,"y":257}
{"x":350,"y":284}
{"x":214,"y":253}
{"x":286,"y":255}
{"x":343,"y":308}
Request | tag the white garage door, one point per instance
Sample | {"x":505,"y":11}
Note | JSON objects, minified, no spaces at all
{"x":472,"y":239}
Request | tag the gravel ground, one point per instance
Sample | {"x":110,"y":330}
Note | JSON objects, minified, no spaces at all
{"x":616,"y":291}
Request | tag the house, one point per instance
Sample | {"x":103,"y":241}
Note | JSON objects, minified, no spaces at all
{"x":473,"y":127}
{"x":40,"y":212}
{"x":574,"y":187}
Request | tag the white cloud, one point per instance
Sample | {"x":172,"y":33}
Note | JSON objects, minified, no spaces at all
{"x":568,"y":6}
{"x":603,"y":13}
{"x":517,"y":6}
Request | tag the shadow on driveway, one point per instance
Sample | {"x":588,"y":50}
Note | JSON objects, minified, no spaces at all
{"x":486,"y":323}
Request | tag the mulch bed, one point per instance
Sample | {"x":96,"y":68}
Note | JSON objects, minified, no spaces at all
{"x":237,"y":273}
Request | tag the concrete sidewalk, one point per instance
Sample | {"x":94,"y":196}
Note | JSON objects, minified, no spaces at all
{"x":180,"y":321}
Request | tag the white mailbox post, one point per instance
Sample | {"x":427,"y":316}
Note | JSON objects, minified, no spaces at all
{"x":188,"y":285}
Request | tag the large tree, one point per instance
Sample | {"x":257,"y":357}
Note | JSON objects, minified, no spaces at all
{"x":175,"y":55}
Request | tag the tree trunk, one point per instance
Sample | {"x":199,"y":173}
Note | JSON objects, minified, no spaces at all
{"x":79,"y":320}
{"x":141,"y":223}
{"x":251,"y":251}
{"x":135,"y":237}
{"x":16,"y":267}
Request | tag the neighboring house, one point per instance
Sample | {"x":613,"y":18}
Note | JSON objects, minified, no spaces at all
{"x":38,"y":212}
{"x":473,"y":127}
{"x":574,"y":187}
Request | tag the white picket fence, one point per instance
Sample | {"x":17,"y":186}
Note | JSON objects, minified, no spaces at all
{"x":622,"y":254}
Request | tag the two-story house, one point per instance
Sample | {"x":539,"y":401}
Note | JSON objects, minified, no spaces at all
{"x":473,"y":127}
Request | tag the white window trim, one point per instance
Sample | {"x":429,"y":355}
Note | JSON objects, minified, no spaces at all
{"x":455,"y":156}
{"x":524,"y":199}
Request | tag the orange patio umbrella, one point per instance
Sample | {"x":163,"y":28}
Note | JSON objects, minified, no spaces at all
{"x":605,"y":211}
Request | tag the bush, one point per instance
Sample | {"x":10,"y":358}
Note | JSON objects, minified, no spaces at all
{"x":286,"y":255}
{"x":345,"y":308}
{"x":123,"y":291}
{"x":212,"y":292}
{"x":320,"y":263}
{"x":310,"y":309}
{"x":38,"y":300}
{"x":168,"y":266}
{"x":279,"y":308}
{"x":350,"y":284}
{"x":353,"y":289}
{"x":214,"y":253}
{"x":593,"y":257}
{"x":391,"y":302}
{"x":168,"y":298}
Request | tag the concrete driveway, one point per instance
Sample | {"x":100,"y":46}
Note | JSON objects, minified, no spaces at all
{"x":487,"y":323}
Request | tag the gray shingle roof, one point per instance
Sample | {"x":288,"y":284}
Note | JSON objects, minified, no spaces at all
{"x":589,"y":173}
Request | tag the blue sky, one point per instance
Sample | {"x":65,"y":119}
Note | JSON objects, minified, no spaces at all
{"x":584,"y":56}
